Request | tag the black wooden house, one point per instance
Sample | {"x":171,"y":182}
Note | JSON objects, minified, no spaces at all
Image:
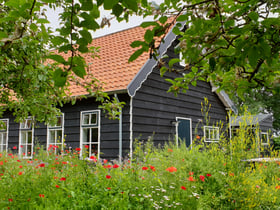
{"x":150,"y":111}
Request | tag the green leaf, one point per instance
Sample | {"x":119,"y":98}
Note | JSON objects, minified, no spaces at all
{"x":109,"y":4}
{"x":87,"y":5}
{"x":212,"y":64}
{"x":173,"y":61}
{"x":86,"y":35}
{"x":42,"y":20}
{"x":136,"y":54}
{"x":3,"y":35}
{"x":95,"y":13}
{"x":57,"y":58}
{"x":59,"y":77}
{"x":117,"y":10}
{"x":176,"y":30}
{"x":149,"y":36}
{"x":83,"y":48}
{"x":149,"y":23}
{"x":137,"y":44}
{"x":79,"y":71}
{"x":253,"y":56}
{"x":33,"y":27}
{"x":58,"y":40}
{"x":253,"y":16}
{"x":163,"y":19}
{"x":182,"y":18}
{"x":131,"y":4}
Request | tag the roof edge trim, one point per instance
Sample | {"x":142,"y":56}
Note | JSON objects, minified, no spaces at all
{"x":148,"y":67}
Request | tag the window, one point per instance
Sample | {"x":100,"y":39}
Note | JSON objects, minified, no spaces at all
{"x":26,"y":138}
{"x":211,"y":134}
{"x":90,"y":133}
{"x":264,"y":138}
{"x":55,"y":135}
{"x":4,"y":128}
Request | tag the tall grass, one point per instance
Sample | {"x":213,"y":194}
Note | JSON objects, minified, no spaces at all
{"x":206,"y":176}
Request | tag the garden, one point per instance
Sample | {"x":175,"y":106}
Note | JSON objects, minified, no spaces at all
{"x":212,"y":176}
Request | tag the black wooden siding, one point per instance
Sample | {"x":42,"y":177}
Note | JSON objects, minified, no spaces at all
{"x":109,"y":139}
{"x":154,"y":109}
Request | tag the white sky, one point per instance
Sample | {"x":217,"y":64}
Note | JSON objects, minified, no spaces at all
{"x":115,"y":26}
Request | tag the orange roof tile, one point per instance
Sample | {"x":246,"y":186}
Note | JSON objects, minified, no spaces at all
{"x":112,"y":68}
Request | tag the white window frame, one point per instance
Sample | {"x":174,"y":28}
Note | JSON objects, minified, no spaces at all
{"x":24,"y":128}
{"x":215,"y":134}
{"x":56,"y":128}
{"x":82,"y":126}
{"x":4,"y":141}
{"x":267,"y":138}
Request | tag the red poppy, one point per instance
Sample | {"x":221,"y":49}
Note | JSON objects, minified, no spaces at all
{"x":10,"y":199}
{"x":144,"y":168}
{"x":105,"y":161}
{"x":1,"y":162}
{"x":191,"y":173}
{"x":78,"y":149}
{"x":171,"y":169}
{"x":107,"y":166}
{"x":208,"y":175}
{"x":93,"y":158}
{"x":62,"y":179}
{"x":86,"y":146}
{"x":183,"y":188}
{"x":152,"y":168}
{"x":169,"y":150}
{"x":231,"y":174}
{"x":42,"y":165}
{"x":18,"y":161}
{"x":15,"y":147}
{"x":108,"y":177}
{"x":57,"y":186}
{"x":277,"y":187}
{"x":197,"y":137}
{"x":41,"y":195}
{"x":116,"y":166}
{"x":191,"y":179}
{"x":20,"y":173}
{"x":109,"y":188}
{"x":202,"y":178}
{"x":64,"y":163}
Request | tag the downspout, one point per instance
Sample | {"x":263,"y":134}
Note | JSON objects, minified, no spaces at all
{"x":130,"y":129}
{"x":120,"y":130}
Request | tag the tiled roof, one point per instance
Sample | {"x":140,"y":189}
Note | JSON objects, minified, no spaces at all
{"x":112,"y":68}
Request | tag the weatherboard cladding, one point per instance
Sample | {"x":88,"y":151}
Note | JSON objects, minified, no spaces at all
{"x":154,"y":109}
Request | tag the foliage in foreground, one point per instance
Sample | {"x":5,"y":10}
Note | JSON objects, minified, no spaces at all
{"x":170,"y":177}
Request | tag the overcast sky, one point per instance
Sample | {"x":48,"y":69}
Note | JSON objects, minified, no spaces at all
{"x":115,"y":26}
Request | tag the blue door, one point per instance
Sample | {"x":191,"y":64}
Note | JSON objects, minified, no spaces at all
{"x":184,"y":130}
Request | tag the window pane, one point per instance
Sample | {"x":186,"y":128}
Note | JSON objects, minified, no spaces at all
{"x":3,"y":125}
{"x":52,"y":137}
{"x":29,"y":137}
{"x":86,"y":134}
{"x":23,"y":137}
{"x":58,"y":136}
{"x":94,"y":134}
{"x":59,"y":121}
{"x":85,"y":119}
{"x":93,"y":119}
